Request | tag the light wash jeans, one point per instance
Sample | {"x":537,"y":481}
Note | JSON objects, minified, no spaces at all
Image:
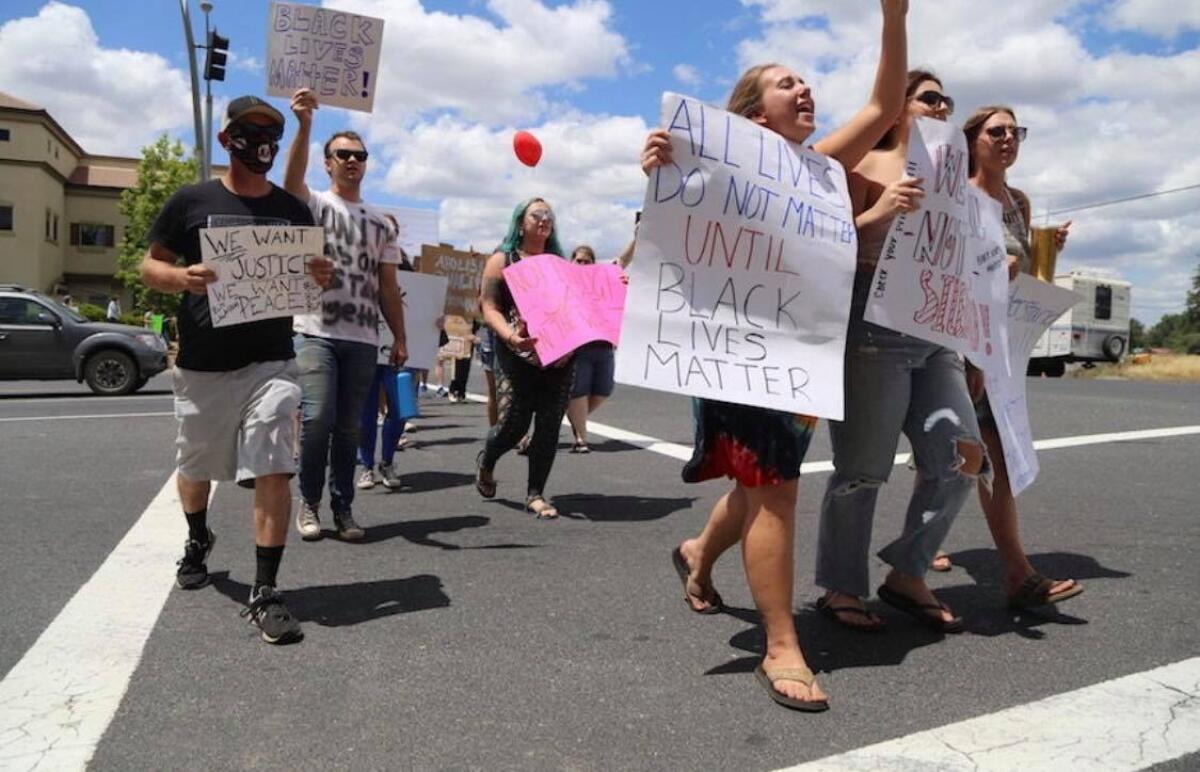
{"x":894,"y":383}
{"x":335,"y":376}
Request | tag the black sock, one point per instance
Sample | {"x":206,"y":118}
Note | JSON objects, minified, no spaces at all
{"x":198,"y":525}
{"x":268,"y":559}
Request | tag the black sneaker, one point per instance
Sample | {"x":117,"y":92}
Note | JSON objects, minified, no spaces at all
{"x":346,"y":527}
{"x":193,"y":571}
{"x":266,"y":610}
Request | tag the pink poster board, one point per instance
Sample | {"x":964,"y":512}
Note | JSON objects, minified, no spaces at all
{"x":567,"y":305}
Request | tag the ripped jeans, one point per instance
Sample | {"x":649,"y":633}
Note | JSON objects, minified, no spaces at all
{"x":895,"y":383}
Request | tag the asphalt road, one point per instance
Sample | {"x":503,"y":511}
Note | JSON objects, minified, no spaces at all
{"x":463,"y":634}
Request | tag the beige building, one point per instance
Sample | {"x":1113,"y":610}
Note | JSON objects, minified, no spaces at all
{"x":59,"y":221}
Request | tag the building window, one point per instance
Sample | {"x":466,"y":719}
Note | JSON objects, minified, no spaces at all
{"x":90,"y":234}
{"x":47,"y":229}
{"x":6,"y":217}
{"x":54,"y":232}
{"x":1103,"y":302}
{"x":3,"y":135}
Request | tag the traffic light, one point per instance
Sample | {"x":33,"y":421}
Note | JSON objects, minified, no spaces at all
{"x":214,"y":59}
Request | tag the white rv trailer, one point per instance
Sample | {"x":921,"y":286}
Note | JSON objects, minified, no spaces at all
{"x":1096,"y":329}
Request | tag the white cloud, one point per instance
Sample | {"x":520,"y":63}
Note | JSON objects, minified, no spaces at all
{"x":1101,"y":126}
{"x":110,"y":100}
{"x":687,"y":75}
{"x":489,"y":71}
{"x":1157,"y":17}
{"x":244,"y":62}
{"x":589,"y":173}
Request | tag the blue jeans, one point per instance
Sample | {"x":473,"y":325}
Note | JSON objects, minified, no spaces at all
{"x":894,"y":383}
{"x":393,"y":427}
{"x":335,"y":376}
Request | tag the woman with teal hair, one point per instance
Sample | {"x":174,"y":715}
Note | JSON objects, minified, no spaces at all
{"x":525,"y":390}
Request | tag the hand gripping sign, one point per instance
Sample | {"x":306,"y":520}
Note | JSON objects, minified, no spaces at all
{"x":262,"y":271}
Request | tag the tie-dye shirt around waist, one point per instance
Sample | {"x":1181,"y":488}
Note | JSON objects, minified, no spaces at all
{"x":753,"y":445}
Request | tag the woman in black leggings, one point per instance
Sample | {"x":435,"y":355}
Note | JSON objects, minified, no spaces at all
{"x":525,"y":390}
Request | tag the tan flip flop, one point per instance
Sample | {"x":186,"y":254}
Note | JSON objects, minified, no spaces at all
{"x":798,"y":674}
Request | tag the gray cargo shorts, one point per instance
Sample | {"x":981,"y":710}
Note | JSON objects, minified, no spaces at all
{"x":238,"y":424}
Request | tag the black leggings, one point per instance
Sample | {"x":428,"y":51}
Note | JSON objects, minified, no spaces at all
{"x":523,"y":393}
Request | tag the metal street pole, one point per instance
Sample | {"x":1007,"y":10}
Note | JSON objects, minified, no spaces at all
{"x":201,"y":137}
{"x":207,"y":7}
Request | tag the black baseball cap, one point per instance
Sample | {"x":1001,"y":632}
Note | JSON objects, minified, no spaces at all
{"x":249,"y":105}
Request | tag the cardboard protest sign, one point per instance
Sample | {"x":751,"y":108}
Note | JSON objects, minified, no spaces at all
{"x":460,"y":344}
{"x":463,"y":270}
{"x":566,"y":305}
{"x":333,"y":52}
{"x":423,"y":298}
{"x":261,"y":271}
{"x":745,"y":259}
{"x":1032,"y":307}
{"x":941,"y":274}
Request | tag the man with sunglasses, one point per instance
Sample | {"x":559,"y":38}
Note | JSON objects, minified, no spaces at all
{"x":336,"y":348}
{"x":236,"y":387}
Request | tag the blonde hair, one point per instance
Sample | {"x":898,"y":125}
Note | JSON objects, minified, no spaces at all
{"x":746,"y":98}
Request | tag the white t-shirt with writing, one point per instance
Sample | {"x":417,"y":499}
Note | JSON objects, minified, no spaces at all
{"x":357,"y":239}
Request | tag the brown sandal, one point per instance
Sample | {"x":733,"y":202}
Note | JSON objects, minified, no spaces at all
{"x":798,"y":674}
{"x":711,"y":597}
{"x":1035,"y":591}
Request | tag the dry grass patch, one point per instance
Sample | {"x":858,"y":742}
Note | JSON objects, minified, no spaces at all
{"x":1159,"y":367}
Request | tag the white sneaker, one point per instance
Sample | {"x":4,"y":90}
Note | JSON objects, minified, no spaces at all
{"x":402,"y":443}
{"x":307,"y":522}
{"x":410,"y":426}
{"x":442,"y":391}
{"x":390,"y":476}
{"x":366,"y":480}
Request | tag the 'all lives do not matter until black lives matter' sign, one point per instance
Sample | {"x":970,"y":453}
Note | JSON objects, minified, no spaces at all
{"x":740,"y":291}
{"x":262,"y":271}
{"x":332,"y":52}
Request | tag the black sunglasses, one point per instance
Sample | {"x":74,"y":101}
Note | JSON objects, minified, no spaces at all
{"x":255,"y":133}
{"x":934,"y":98}
{"x":343,"y":154}
{"x":998,"y":132}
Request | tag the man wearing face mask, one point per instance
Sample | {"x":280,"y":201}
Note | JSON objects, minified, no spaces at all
{"x":336,"y":348}
{"x":236,"y":387}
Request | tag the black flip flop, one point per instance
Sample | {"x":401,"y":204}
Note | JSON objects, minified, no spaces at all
{"x":832,"y":613}
{"x":715,"y":604}
{"x":485,"y":488}
{"x":800,"y":675}
{"x":1035,"y":591}
{"x":920,"y":611}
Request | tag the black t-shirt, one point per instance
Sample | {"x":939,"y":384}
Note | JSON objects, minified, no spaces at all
{"x":212,"y":205}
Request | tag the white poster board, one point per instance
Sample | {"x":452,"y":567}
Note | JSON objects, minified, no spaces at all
{"x":423,"y":296}
{"x":745,"y":259}
{"x":335,"y":53}
{"x":417,"y":227}
{"x":942,"y":274}
{"x":262,"y":271}
{"x":1032,"y":307}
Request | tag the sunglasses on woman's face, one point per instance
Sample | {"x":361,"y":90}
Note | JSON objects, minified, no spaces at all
{"x":342,"y":154}
{"x":934,"y":98}
{"x":542,"y":215}
{"x":998,"y":132}
{"x":584,"y":261}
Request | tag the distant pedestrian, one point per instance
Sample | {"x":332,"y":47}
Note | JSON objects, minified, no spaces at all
{"x":113,"y":312}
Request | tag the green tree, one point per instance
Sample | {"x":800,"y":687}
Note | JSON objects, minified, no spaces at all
{"x":1193,"y":302}
{"x":1137,"y":334}
{"x":162,"y":171}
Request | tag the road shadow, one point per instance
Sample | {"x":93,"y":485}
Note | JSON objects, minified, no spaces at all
{"x":621,"y":508}
{"x":828,"y":646}
{"x":341,"y":605}
{"x":420,"y":532}
{"x":420,"y":444}
{"x":604,"y":446}
{"x":984,"y":607}
{"x":423,"y":427}
{"x":424,"y":482}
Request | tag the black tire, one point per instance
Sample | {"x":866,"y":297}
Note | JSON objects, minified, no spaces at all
{"x":1113,"y":348}
{"x":1055,"y":368}
{"x":111,"y":373}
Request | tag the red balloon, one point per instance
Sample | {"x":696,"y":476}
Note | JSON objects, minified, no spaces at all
{"x":527,"y":148}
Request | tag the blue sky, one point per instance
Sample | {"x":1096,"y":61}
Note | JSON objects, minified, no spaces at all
{"x":1108,"y":89}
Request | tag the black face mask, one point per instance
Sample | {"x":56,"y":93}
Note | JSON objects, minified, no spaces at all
{"x":255,"y":146}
